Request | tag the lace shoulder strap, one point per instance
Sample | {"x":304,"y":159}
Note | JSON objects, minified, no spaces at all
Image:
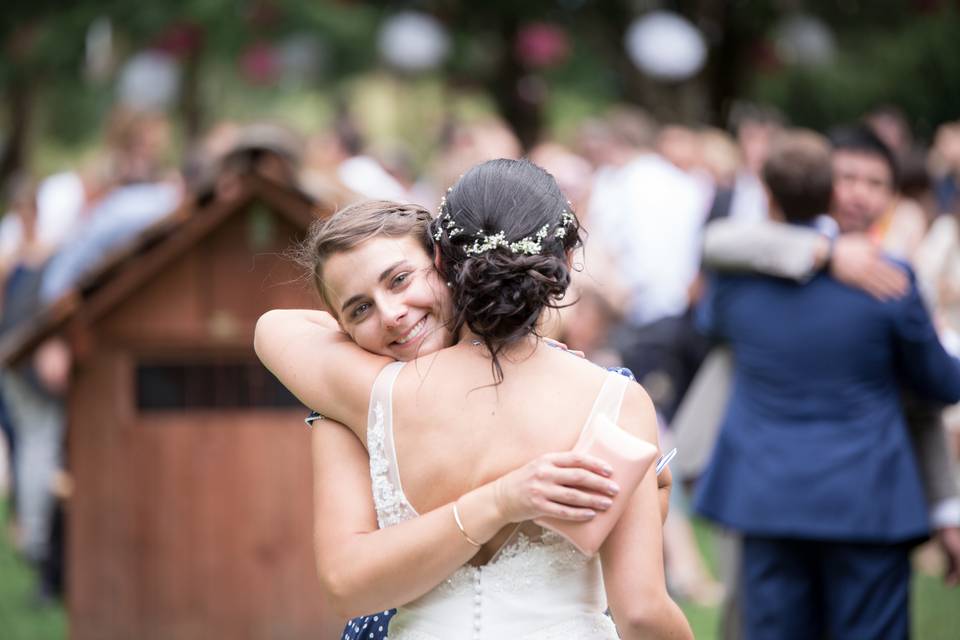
{"x":391,"y":503}
{"x":382,"y":391}
{"x":609,"y":399}
{"x":380,"y":412}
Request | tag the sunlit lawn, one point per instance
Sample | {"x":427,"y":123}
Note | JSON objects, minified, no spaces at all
{"x":936,"y":610}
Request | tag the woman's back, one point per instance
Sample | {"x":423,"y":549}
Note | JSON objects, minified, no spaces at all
{"x":455,"y":430}
{"x":532,"y":583}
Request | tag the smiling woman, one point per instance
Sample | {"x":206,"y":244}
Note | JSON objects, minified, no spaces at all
{"x":386,"y":297}
{"x":386,"y":294}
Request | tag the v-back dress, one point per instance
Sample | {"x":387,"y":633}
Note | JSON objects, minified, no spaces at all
{"x":536,"y":587}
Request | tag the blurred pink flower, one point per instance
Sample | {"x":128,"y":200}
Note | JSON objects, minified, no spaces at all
{"x":260,"y":64}
{"x":541,"y":44}
{"x":180,"y":40}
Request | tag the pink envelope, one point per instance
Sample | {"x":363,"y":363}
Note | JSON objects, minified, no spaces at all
{"x":630,"y":458}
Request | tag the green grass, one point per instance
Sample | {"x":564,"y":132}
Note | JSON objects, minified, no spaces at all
{"x":703,"y":620}
{"x":935,"y":609}
{"x":20,"y":618}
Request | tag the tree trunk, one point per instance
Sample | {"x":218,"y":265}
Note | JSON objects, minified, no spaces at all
{"x":19,"y":99}
{"x":520,"y":106}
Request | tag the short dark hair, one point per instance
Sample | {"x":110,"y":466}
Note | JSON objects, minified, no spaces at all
{"x":798,"y":174}
{"x":861,"y":139}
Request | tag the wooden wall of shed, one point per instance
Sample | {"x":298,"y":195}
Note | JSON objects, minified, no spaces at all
{"x":192,"y":525}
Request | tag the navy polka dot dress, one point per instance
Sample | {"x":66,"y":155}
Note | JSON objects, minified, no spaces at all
{"x":372,"y":627}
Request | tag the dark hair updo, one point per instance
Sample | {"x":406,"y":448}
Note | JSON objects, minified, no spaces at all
{"x":503,"y":233}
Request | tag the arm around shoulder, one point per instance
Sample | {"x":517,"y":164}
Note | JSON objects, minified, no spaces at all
{"x":770,"y":248}
{"x":309,"y":354}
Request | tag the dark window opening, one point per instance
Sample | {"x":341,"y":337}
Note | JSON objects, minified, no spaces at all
{"x":233,"y":385}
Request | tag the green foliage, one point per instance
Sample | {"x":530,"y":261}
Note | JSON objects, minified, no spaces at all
{"x":890,"y":52}
{"x":915,"y":66}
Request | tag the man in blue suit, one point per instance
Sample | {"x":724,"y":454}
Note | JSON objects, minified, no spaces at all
{"x":813,"y":465}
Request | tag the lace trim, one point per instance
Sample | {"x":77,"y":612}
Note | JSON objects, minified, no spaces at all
{"x":524,"y":563}
{"x":392,"y":506}
{"x":533,"y":564}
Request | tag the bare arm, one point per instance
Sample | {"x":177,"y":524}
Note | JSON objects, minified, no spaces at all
{"x":308,"y":353}
{"x":364,"y":569}
{"x":664,"y":487}
{"x":632,"y":555}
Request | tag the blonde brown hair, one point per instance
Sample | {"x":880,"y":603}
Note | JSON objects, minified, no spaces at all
{"x":354,"y":225}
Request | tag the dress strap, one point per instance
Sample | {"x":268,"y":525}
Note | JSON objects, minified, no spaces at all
{"x":609,"y":399}
{"x":382,"y":390}
{"x":380,"y":443}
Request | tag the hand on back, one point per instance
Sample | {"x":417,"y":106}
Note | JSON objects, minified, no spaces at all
{"x":858,"y":262}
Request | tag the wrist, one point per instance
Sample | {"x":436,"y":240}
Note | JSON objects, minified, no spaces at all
{"x":480,"y":513}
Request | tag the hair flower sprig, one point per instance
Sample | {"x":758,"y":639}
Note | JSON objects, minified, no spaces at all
{"x":528,"y":245}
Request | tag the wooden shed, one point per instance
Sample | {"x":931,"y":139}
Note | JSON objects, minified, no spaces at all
{"x":191,"y":515}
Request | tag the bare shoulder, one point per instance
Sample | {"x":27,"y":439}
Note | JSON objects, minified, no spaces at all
{"x":638,"y":415}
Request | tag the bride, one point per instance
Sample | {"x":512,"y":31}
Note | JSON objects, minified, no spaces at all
{"x":455,"y":420}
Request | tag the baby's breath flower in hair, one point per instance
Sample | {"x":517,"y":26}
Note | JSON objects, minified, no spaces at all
{"x":529,"y":245}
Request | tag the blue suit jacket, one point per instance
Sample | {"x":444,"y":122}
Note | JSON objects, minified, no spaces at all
{"x":814,"y":444}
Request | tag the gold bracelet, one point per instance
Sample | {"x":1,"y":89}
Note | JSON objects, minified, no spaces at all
{"x":456,"y":518}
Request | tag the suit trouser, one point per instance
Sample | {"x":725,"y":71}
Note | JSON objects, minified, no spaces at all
{"x":815,"y":589}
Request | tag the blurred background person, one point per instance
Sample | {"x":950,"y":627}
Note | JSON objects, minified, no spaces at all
{"x":823,"y":551}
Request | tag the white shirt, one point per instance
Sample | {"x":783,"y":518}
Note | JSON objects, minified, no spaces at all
{"x":366,"y":176}
{"x":749,"y":202}
{"x":60,"y":199}
{"x":117,"y":219}
{"x":649,"y":215}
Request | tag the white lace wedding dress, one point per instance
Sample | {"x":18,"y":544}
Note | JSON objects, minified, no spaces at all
{"x":536,"y":587}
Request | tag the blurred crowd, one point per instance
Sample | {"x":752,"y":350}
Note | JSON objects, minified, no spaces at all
{"x":647,"y":193}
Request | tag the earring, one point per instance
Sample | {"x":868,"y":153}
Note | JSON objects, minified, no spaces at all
{"x":449,"y":284}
